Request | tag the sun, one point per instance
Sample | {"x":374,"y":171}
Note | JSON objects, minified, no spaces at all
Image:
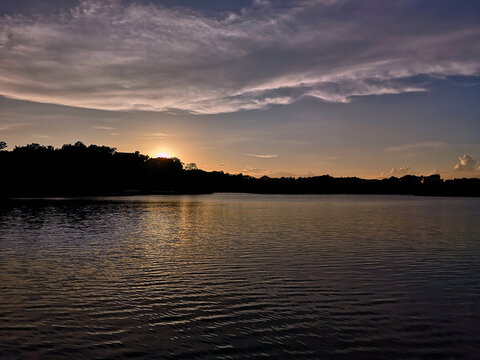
{"x":163,"y":155}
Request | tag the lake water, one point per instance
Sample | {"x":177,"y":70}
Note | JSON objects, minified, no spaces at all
{"x":237,"y":276}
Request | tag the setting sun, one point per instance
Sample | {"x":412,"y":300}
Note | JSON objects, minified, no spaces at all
{"x":163,"y":155}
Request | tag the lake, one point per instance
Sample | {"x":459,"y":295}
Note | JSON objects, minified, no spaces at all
{"x":237,"y":276}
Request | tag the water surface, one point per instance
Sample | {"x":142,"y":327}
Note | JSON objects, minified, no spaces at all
{"x":238,"y":276}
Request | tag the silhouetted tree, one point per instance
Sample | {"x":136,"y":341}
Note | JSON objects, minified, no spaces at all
{"x":191,"y":166}
{"x":3,"y":145}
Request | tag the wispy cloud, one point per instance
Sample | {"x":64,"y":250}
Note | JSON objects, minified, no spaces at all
{"x":11,"y":126}
{"x":416,"y":146}
{"x":155,"y":135}
{"x":254,"y":171}
{"x":102,"y":127}
{"x":215,"y":165}
{"x":263,"y":156}
{"x":117,"y":55}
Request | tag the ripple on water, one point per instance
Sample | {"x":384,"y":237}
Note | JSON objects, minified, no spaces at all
{"x":241,"y":276}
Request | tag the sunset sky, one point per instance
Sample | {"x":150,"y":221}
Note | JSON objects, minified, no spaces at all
{"x":279,"y":88}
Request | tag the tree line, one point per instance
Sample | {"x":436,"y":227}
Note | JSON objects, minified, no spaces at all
{"x":79,"y":170}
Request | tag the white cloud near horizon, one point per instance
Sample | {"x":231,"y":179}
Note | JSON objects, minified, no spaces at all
{"x":401,"y":171}
{"x":467,"y":164}
{"x":263,"y":156}
{"x":115,"y":56}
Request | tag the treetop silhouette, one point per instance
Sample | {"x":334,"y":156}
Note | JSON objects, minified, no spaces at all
{"x":36,"y":170}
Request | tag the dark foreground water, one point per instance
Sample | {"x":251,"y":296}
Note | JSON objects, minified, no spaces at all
{"x":241,"y":276}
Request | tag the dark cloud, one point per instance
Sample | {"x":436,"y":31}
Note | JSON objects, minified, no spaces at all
{"x":117,"y":55}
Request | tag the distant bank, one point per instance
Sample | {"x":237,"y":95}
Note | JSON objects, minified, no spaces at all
{"x":79,"y":170}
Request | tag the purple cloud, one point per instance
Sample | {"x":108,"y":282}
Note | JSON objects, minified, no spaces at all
{"x":112,"y":56}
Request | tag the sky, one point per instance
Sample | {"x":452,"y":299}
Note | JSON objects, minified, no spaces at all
{"x":368,"y":88}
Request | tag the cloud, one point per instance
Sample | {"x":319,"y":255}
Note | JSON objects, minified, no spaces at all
{"x":263,"y":156}
{"x":417,"y":146}
{"x":254,"y":171}
{"x":116,"y":55}
{"x":41,"y":136}
{"x":155,"y":135}
{"x":215,"y":165}
{"x":12,"y":126}
{"x":261,"y":2}
{"x":102,"y":127}
{"x":466,"y":167}
{"x":467,"y":164}
{"x":343,"y":90}
{"x":401,"y":171}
